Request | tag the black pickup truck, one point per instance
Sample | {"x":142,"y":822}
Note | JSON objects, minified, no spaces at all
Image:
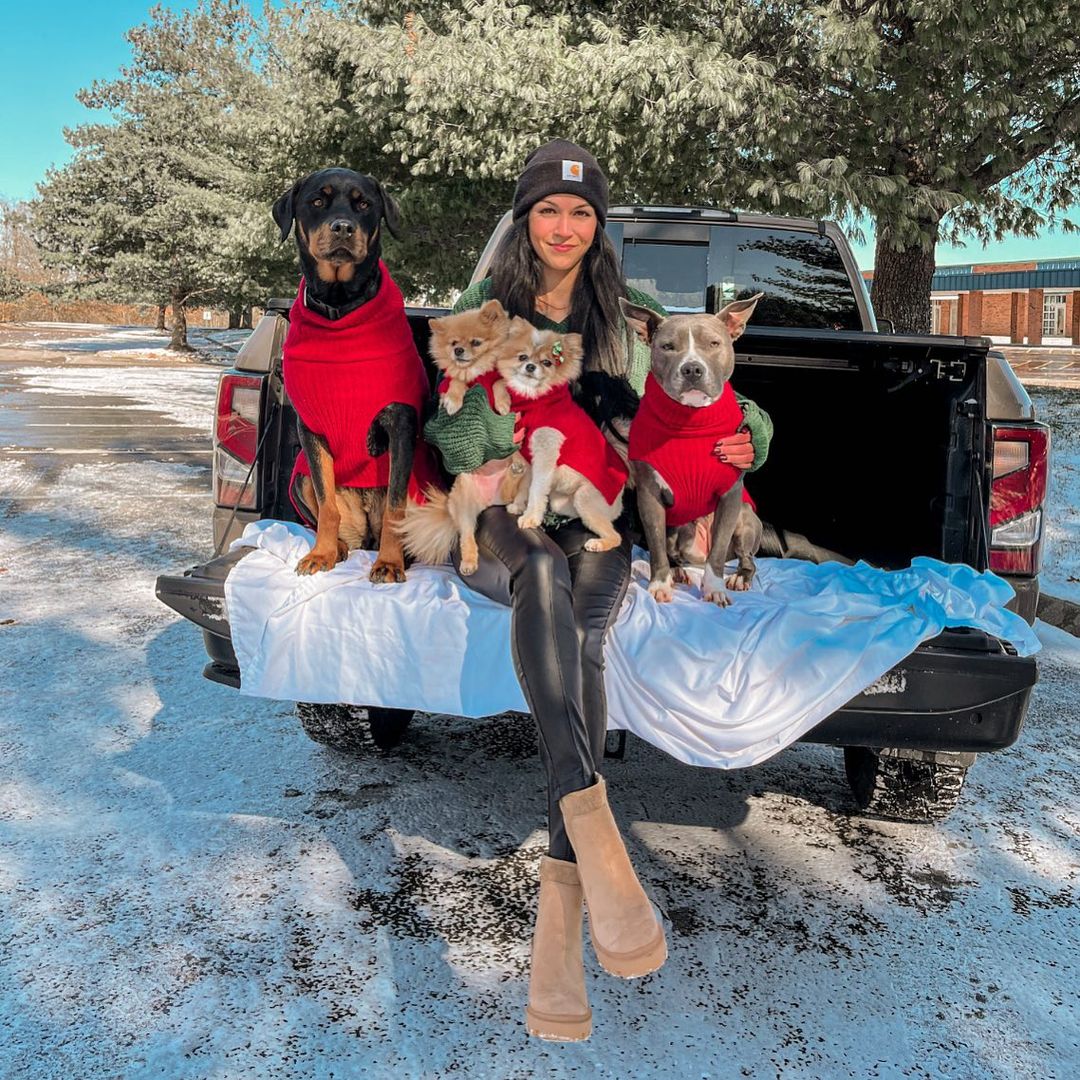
{"x":935,"y":451}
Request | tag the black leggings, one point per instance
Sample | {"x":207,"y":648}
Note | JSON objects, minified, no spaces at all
{"x":562,"y":600}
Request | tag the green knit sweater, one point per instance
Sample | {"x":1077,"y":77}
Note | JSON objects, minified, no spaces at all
{"x":477,"y":434}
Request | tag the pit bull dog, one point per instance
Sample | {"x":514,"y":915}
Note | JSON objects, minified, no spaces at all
{"x":688,"y":405}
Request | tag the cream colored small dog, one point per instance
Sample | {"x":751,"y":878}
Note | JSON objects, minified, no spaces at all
{"x":465,"y":347}
{"x":574,"y":471}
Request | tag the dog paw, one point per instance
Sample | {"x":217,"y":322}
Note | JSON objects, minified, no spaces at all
{"x":661,"y":590}
{"x":316,"y":562}
{"x":680,"y":576}
{"x":716,"y":596}
{"x":451,"y":407}
{"x":739,"y":581}
{"x":517,"y":509}
{"x":598,"y":543}
{"x":530,"y":521}
{"x":387,"y":573}
{"x":467,"y":568}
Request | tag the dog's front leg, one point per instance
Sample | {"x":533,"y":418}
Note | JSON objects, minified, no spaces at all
{"x":725,"y":518}
{"x":454,"y":397}
{"x":653,"y":513}
{"x":680,"y":547}
{"x":329,"y":549}
{"x":502,"y":397}
{"x":396,"y":429}
{"x":545,"y":444}
{"x":745,"y":542}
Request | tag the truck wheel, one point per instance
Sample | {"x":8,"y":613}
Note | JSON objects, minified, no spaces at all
{"x":388,"y":726}
{"x":343,"y":727}
{"x":902,"y":788}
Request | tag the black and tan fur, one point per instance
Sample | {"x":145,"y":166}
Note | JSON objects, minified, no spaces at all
{"x":338,"y":216}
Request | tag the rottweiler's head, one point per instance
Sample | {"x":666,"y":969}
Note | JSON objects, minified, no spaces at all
{"x":338,"y":215}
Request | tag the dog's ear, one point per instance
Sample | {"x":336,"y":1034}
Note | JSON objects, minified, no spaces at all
{"x":389,"y":211}
{"x":284,"y":210}
{"x":573,"y":346}
{"x":492,"y":311}
{"x":737,"y":314}
{"x":642,"y":320}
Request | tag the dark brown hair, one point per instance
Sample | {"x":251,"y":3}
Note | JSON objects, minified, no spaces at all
{"x":594,"y":305}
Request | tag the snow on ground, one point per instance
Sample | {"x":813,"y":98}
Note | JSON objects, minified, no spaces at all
{"x":189,"y":888}
{"x":122,"y":342}
{"x":1061,"y":556}
{"x":185,"y":394}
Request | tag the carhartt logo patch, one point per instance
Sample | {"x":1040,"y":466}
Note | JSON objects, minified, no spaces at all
{"x":573,"y":170}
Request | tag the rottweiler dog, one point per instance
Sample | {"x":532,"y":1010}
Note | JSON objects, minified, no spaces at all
{"x":338,"y":215}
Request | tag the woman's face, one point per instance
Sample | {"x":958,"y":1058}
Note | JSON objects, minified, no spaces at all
{"x":561,"y":230}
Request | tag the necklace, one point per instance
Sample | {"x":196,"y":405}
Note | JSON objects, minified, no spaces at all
{"x":546,"y":306}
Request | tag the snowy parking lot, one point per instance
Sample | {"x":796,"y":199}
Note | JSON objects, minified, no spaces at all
{"x":190,"y":888}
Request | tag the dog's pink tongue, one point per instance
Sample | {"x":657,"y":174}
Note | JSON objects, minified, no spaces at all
{"x":696,"y":398}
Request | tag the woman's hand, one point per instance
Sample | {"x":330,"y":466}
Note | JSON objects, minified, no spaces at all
{"x":737,"y":450}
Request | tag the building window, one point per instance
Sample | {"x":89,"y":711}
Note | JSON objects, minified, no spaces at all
{"x":1054,"y":314}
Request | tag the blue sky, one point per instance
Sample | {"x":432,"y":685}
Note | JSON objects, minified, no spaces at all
{"x":49,"y":52}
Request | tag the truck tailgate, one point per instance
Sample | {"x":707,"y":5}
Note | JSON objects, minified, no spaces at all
{"x":963,"y":690}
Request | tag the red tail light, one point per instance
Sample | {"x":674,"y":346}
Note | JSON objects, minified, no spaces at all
{"x":1017,"y":494}
{"x":236,"y":439}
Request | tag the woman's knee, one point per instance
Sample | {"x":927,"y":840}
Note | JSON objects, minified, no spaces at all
{"x":543,"y":567}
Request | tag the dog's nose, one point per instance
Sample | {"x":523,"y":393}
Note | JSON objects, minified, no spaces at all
{"x":341,"y":227}
{"x":692,"y":371}
{"x":459,"y":351}
{"x":530,"y":368}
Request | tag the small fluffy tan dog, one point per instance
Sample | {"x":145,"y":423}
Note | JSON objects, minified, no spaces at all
{"x":574,"y":471}
{"x":465,"y":347}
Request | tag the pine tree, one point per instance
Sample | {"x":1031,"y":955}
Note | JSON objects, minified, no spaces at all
{"x":164,"y":204}
{"x":930,"y":118}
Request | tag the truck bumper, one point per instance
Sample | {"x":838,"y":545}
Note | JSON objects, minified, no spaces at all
{"x":199,"y":595}
{"x":961,"y":692}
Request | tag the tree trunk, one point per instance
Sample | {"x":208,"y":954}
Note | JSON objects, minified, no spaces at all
{"x":179,"y":323}
{"x":236,"y":318}
{"x":901,"y":288}
{"x":245,"y":318}
{"x":160,"y":325}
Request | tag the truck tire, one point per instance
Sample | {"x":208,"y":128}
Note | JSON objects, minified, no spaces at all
{"x":902,"y":788}
{"x":343,"y":727}
{"x":388,"y":726}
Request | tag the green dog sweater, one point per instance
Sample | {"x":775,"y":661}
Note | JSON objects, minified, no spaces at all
{"x":474,"y":435}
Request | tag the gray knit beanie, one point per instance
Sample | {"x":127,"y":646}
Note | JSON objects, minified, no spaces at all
{"x":561,"y":168}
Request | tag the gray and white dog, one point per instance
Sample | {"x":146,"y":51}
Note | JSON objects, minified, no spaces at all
{"x":688,"y":405}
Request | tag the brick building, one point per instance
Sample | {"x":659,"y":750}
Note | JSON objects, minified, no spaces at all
{"x":1023,"y":303}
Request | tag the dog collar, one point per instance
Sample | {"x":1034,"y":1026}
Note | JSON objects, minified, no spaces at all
{"x":329,"y":311}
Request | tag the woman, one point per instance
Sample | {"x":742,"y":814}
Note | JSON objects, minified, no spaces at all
{"x":558,"y":269}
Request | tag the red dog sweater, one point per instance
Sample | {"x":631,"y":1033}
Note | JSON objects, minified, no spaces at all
{"x":584,"y":447}
{"x":487,"y":380}
{"x":340,"y":373}
{"x":677,"y":441}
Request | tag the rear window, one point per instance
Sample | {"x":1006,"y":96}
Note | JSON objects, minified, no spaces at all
{"x":676,"y":274}
{"x":800,"y":273}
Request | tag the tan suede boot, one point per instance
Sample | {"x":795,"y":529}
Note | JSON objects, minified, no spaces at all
{"x":558,"y":1008}
{"x":626,"y":933}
